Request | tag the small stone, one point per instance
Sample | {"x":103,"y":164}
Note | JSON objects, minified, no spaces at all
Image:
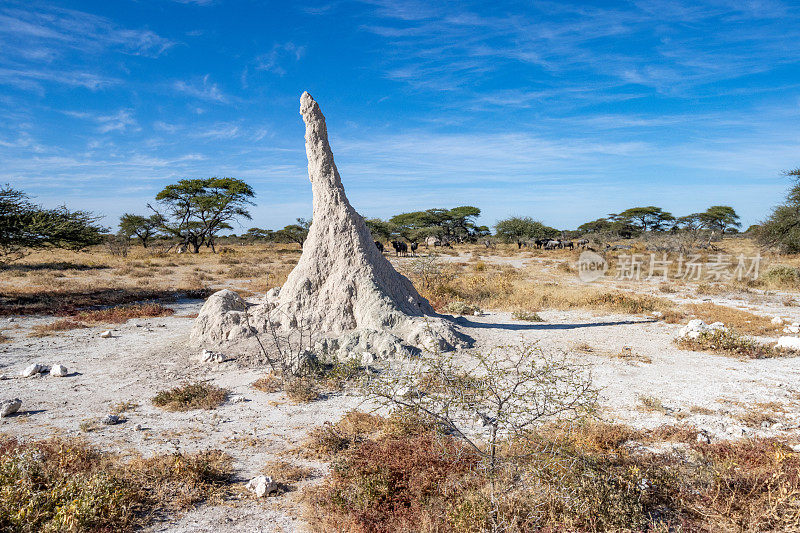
{"x":776,"y":426}
{"x":477,"y":313}
{"x":59,"y":371}
{"x":110,"y":420}
{"x":106,"y":334}
{"x":9,"y":407}
{"x":777,"y":321}
{"x":657,"y":314}
{"x":138,"y":427}
{"x":367,"y":358}
{"x":238,"y":398}
{"x":765,"y":424}
{"x":207,"y":356}
{"x":795,"y":447}
{"x":32,"y":370}
{"x":12,"y":319}
{"x":703,"y":438}
{"x":262,"y":486}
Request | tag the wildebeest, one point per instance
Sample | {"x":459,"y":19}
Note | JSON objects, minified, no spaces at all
{"x":582,"y":243}
{"x":540,"y":242}
{"x":414,"y":246}
{"x":400,"y":248}
{"x":552,"y":245}
{"x":568,"y":244}
{"x":379,"y":245}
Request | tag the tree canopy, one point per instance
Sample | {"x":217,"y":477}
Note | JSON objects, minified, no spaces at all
{"x":451,"y":225}
{"x":782,"y":228}
{"x":518,"y":229}
{"x":144,"y":228}
{"x":25,"y":226}
{"x":195,"y":210}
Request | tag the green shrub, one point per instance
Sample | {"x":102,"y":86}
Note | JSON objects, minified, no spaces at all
{"x":191,"y":396}
{"x":781,"y":276}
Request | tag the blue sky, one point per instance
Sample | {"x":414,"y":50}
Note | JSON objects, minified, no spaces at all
{"x":561,"y":111}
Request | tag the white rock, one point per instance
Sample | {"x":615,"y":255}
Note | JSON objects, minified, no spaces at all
{"x":59,"y":371}
{"x":795,"y":447}
{"x":33,"y":370}
{"x":109,"y":420}
{"x":367,"y":358}
{"x":477,"y":313}
{"x":237,"y":398}
{"x":106,"y":334}
{"x":657,"y":314}
{"x":262,"y":486}
{"x":9,"y":407}
{"x":704,"y":438}
{"x":777,"y":321}
{"x":12,"y":319}
{"x":207,"y":356}
{"x":788,"y":343}
{"x":791,"y":329}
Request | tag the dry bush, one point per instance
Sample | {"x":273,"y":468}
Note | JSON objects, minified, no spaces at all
{"x":285,"y":473}
{"x":574,"y":478}
{"x":191,"y":396}
{"x":4,"y":338}
{"x":68,"y":485}
{"x":781,"y":277}
{"x":269,"y":383}
{"x":651,"y":404}
{"x":301,"y":389}
{"x":742,"y":321}
{"x":729,"y":343}
{"x":121,"y":314}
{"x":527,"y":316}
{"x":53,"y":328}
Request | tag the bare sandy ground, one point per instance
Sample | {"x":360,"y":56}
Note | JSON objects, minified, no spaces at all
{"x":145,"y":356}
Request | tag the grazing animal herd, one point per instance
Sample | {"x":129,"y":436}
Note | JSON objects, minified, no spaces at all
{"x":403,"y":249}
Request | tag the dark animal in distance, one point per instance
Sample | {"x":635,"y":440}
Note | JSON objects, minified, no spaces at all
{"x":414,"y":246}
{"x":400,"y":248}
{"x":379,"y":245}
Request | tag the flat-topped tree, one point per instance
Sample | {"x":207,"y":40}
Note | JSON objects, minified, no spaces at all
{"x":342,"y":283}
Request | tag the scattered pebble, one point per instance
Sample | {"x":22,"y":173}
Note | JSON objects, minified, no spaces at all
{"x":238,"y":398}
{"x":262,"y":486}
{"x":9,"y":407}
{"x":59,"y":371}
{"x":110,"y":420}
{"x":212,"y":357}
{"x":33,"y":370}
{"x":106,"y":334}
{"x":12,"y":319}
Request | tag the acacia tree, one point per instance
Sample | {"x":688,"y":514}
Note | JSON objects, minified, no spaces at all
{"x":195,"y":210}
{"x":720,"y":217}
{"x":519,"y":229}
{"x":145,"y":228}
{"x":25,"y":226}
{"x":295,"y":232}
{"x":457,"y":224}
{"x":650,"y":218}
{"x":782,"y":228}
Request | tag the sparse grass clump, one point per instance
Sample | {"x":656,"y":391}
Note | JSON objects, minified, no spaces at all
{"x":527,"y":316}
{"x":460,"y":307}
{"x":191,"y":396}
{"x":728,"y":342}
{"x":68,"y":485}
{"x":781,"y":276}
{"x":742,"y":321}
{"x":58,"y":326}
{"x":269,"y":383}
{"x":651,"y":404}
{"x":121,"y":314}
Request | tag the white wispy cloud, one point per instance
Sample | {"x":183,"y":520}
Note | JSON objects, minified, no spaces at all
{"x":204,"y":90}
{"x":276,"y":59}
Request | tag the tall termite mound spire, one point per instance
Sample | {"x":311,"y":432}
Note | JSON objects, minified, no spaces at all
{"x":342,"y":288}
{"x":342,"y":280}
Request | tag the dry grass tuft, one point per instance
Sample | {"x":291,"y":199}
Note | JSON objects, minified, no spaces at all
{"x":53,"y":328}
{"x":269,"y":383}
{"x":729,"y":343}
{"x":191,"y":396}
{"x":68,"y":485}
{"x":527,"y":316}
{"x":651,"y":404}
{"x":742,"y":321}
{"x":121,"y":314}
{"x":286,"y":474}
